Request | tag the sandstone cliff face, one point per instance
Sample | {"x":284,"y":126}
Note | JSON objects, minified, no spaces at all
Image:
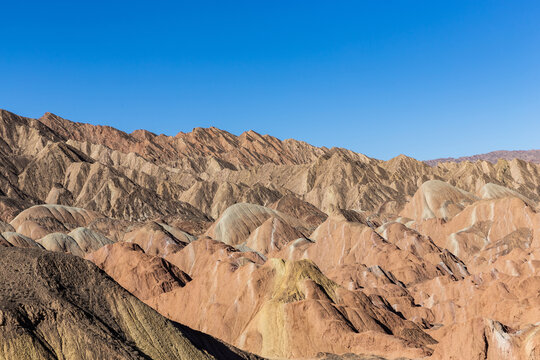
{"x":276,"y":247}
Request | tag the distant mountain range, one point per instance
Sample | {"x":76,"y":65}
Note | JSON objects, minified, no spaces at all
{"x":526,"y":155}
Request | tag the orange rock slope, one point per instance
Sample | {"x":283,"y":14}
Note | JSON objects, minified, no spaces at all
{"x":277,"y":248}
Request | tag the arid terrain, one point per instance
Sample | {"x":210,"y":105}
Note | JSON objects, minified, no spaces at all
{"x":207,"y":245}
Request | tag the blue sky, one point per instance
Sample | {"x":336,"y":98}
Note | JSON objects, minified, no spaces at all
{"x":425,"y":78}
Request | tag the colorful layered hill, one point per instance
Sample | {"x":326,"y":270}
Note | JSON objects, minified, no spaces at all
{"x":211,"y":245}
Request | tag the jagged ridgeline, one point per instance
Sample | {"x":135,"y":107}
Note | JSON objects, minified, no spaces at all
{"x":211,"y":245}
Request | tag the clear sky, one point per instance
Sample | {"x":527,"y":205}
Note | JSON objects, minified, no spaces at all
{"x":425,"y":78}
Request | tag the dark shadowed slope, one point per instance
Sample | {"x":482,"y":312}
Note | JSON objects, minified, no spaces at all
{"x":58,"y":306}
